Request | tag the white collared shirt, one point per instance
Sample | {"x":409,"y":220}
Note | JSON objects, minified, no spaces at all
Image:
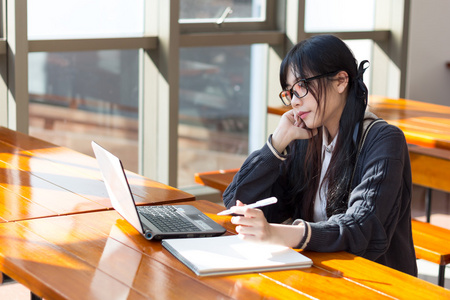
{"x":320,"y":203}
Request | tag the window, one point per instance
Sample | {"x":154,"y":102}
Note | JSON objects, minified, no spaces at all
{"x":55,"y":19}
{"x":214,"y":109}
{"x":76,"y":97}
{"x":343,"y":15}
{"x":207,"y":10}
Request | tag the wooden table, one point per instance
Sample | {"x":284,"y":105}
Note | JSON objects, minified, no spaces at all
{"x":98,"y":255}
{"x":40,"y":179}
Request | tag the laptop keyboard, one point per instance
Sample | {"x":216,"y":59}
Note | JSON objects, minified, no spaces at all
{"x":167,"y":219}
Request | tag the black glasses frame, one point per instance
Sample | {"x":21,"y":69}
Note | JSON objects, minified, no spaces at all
{"x":291,"y":91}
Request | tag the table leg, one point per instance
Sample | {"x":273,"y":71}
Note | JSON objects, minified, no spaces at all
{"x":428,"y":204}
{"x":5,"y":278}
{"x":441,"y":277}
{"x":34,"y":297}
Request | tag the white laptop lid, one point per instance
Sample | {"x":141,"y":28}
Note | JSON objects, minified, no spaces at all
{"x":117,"y":186}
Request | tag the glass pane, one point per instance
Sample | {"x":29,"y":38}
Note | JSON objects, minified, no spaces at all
{"x":362,"y":50}
{"x":215,"y":85}
{"x":76,"y":97}
{"x":343,"y":15}
{"x":53,"y":19}
{"x":213,"y":9}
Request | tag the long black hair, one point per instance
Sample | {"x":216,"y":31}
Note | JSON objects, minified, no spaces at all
{"x":318,"y":55}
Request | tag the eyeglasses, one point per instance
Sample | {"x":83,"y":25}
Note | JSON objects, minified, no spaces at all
{"x":299,"y":89}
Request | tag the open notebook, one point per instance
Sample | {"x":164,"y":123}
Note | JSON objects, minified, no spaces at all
{"x":231,"y":255}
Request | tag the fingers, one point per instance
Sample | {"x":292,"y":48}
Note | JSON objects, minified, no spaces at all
{"x":298,"y":122}
{"x":246,"y":211}
{"x":290,"y":115}
{"x":252,"y":229}
{"x":245,"y":232}
{"x":248,"y":216}
{"x":243,"y":220}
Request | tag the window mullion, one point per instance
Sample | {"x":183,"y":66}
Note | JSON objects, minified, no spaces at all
{"x":17,"y":62}
{"x":159,"y":117}
{"x":74,"y":45}
{"x":231,"y":38}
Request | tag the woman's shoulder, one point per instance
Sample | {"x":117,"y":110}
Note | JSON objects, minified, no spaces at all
{"x":383,"y":130}
{"x":379,"y":126}
{"x":385,"y":140}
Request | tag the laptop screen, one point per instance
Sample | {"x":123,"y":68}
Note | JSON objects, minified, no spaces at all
{"x":117,"y":186}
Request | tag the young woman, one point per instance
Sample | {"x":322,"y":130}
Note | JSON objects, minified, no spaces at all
{"x":333,"y":198}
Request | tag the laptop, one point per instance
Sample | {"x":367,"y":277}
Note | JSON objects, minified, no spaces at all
{"x":152,"y":221}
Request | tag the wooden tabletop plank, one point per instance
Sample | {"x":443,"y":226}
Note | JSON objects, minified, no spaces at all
{"x":308,"y":280}
{"x":15,"y":207}
{"x":57,"y":174}
{"x":424,"y":124}
{"x":379,"y":277}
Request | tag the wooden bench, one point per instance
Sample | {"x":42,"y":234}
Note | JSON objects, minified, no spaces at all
{"x":432,"y":243}
{"x":219,"y":179}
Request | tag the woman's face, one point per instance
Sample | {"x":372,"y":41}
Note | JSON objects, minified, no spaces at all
{"x":307,"y":108}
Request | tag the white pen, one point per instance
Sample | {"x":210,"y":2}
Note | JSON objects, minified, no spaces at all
{"x":259,"y":203}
